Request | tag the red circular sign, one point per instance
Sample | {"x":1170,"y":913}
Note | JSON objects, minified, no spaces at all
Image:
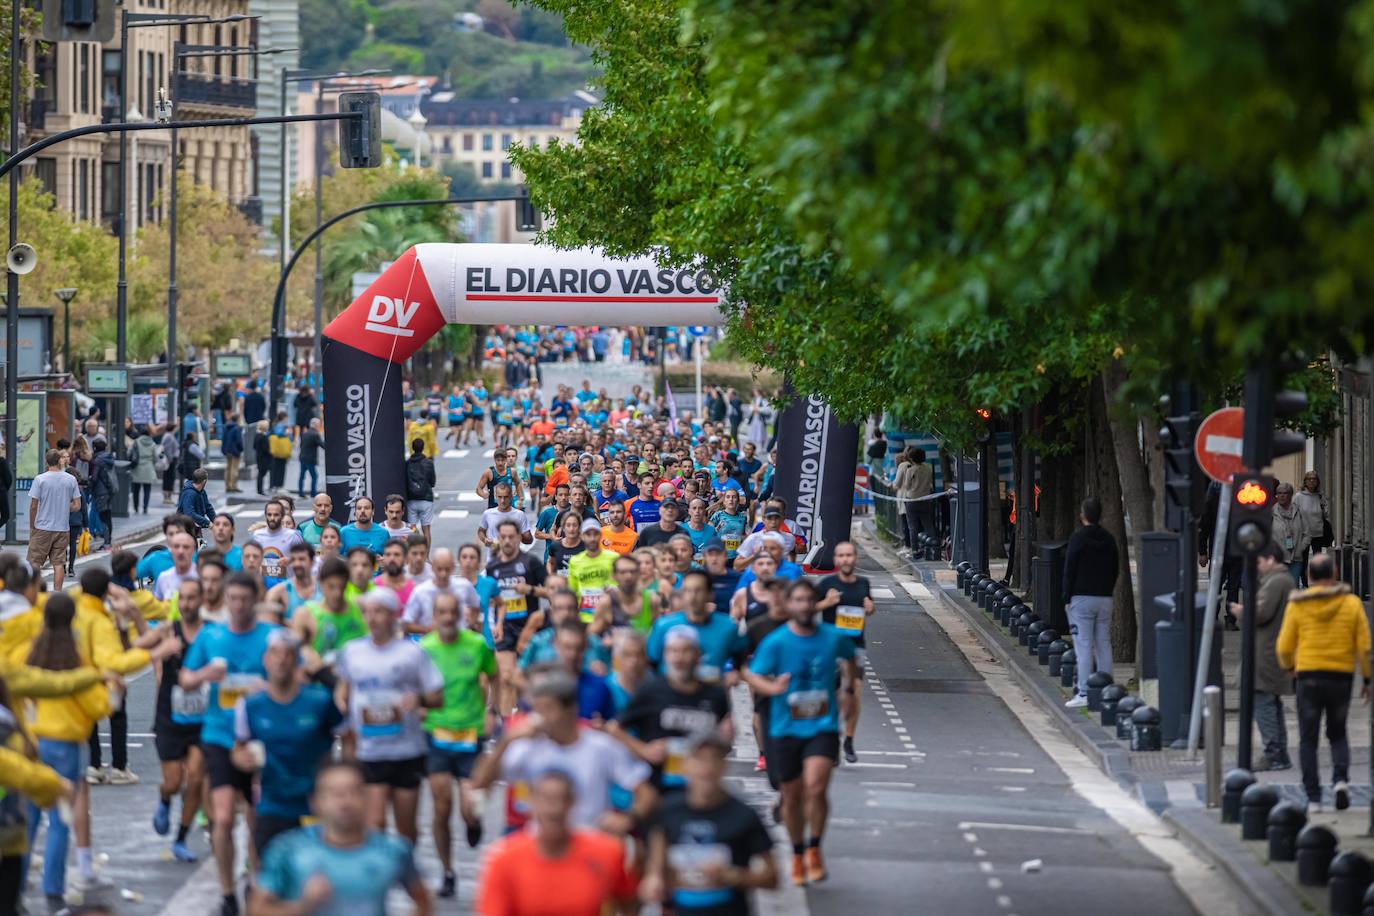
{"x":1218,"y":443}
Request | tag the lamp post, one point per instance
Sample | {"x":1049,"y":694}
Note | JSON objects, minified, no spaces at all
{"x":417,"y":121}
{"x":66,"y":295}
{"x":12,"y":279}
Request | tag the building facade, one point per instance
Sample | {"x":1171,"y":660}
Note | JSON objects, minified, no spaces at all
{"x":480,"y":133}
{"x":278,"y":27}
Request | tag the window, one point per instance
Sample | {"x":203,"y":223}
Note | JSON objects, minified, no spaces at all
{"x":448,"y":144}
{"x":109,"y":82}
{"x":109,"y":192}
{"x":505,"y":170}
{"x":486,"y":143}
{"x":45,"y":169}
{"x":219,"y":43}
{"x":149,"y":192}
{"x":467,"y":143}
{"x":83,"y":197}
{"x":505,"y":142}
{"x":486,"y":170}
{"x":83,"y":79}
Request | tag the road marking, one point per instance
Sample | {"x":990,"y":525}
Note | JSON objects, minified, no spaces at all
{"x":915,"y":589}
{"x":456,"y":453}
{"x":979,"y":852}
{"x":882,"y":593}
{"x":879,"y":766}
{"x":969,"y":837}
{"x":892,"y":753}
{"x":1012,"y":788}
{"x":1023,"y":771}
{"x":454,"y":513}
{"x":985,"y":867}
{"x":1020,"y":828}
{"x":1004,"y":902}
{"x":886,"y":785}
{"x":488,"y":453}
{"x":469,"y":498}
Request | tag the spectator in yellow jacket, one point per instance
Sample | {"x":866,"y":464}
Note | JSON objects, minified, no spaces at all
{"x":23,"y":680}
{"x":425,"y":430}
{"x":23,"y":780}
{"x":1324,"y":637}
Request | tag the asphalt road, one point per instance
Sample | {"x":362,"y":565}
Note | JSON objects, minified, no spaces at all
{"x":963,"y":802}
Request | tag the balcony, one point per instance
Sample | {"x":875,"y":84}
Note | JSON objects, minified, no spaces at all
{"x":196,"y":90}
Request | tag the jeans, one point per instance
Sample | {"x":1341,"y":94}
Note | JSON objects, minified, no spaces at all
{"x":278,"y":473}
{"x":1269,"y":719}
{"x":107,"y":519}
{"x":66,"y":758}
{"x":1323,"y":692}
{"x":231,"y":473}
{"x":1295,"y":569}
{"x":73,"y":534}
{"x":1090,"y":621}
{"x":920,"y":519}
{"x":119,"y":741}
{"x":313,"y":470}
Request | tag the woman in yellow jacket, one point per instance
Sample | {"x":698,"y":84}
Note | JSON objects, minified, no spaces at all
{"x":23,"y":780}
{"x":61,"y":726}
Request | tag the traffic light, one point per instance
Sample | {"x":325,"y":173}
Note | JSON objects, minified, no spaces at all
{"x":527,"y":217}
{"x":360,"y":139}
{"x":1262,"y":443}
{"x":78,"y":20}
{"x":1185,"y":487}
{"x":1252,"y":513}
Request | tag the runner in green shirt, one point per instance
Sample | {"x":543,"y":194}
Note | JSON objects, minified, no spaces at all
{"x":591,"y":572}
{"x":325,"y":625}
{"x":455,"y":730}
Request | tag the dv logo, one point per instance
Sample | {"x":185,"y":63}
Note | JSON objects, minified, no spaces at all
{"x":391,"y":316}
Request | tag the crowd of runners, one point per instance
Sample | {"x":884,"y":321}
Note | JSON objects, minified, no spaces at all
{"x":578,"y":661}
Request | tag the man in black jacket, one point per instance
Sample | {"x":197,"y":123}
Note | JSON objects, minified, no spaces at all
{"x":420,"y":480}
{"x":1090,"y":571}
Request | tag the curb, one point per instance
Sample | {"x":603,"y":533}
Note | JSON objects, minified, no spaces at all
{"x":1210,"y":840}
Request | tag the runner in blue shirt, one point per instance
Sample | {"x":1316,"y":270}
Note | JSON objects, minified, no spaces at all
{"x":795,"y":668}
{"x":721,"y":644}
{"x":362,"y":531}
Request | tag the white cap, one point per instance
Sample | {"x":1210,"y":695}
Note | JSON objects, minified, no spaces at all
{"x":683,"y":633}
{"x":382,"y":597}
{"x":775,"y":537}
{"x":591,"y":524}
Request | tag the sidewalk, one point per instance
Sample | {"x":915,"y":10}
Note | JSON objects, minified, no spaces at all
{"x":1172,"y":782}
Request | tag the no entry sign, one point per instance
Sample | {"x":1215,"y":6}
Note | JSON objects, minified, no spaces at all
{"x":1218,"y":443}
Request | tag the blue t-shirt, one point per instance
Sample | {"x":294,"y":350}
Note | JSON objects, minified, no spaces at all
{"x":809,"y":706}
{"x":242,"y":652}
{"x":154,"y":563}
{"x":720,"y":642}
{"x":787,"y":571}
{"x":487,"y":589}
{"x":644,"y":512}
{"x":603,"y":503}
{"x":720,"y":486}
{"x":547,"y":516}
{"x":594,"y":698}
{"x":699,"y":538}
{"x":584,"y":396}
{"x":730,"y":529}
{"x":723,"y":588}
{"x":361,"y":876}
{"x":234,"y":558}
{"x":297,"y":736}
{"x":374,"y":538}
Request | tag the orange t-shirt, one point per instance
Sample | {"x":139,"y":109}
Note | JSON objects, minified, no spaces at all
{"x":519,"y":881}
{"x":541,"y":428}
{"x":558,"y":475}
{"x":621,"y":543}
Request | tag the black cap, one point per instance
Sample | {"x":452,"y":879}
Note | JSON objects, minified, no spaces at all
{"x":713,"y":544}
{"x":772,"y":512}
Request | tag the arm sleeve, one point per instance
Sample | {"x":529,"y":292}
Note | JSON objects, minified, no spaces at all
{"x":627,"y":770}
{"x":1286,"y":646}
{"x":27,"y":681}
{"x":35,"y":781}
{"x":94,"y":702}
{"x":765,"y":658}
{"x":431,"y":679}
{"x":1070,"y":567}
{"x":110,"y":654}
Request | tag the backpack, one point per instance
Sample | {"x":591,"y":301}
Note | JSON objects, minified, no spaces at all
{"x":417,"y":481}
{"x":279,"y":446}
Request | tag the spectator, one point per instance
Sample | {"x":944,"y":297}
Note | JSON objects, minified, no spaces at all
{"x":168,"y":461}
{"x":262,"y":448}
{"x":103,"y":486}
{"x":52,"y":495}
{"x":142,"y":469}
{"x":192,"y":456}
{"x":1290,"y":530}
{"x":877,"y":447}
{"x":305,"y":406}
{"x":254,"y":410}
{"x":1324,"y":635}
{"x":1090,"y":570}
{"x":420,"y":481}
{"x":231,"y":446}
{"x":279,"y":448}
{"x":195,"y":502}
{"x":1271,"y":683}
{"x":1311,"y":502}
{"x":311,"y":443}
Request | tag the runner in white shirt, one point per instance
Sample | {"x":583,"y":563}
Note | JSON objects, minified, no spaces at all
{"x":275,"y":540}
{"x":492,"y":519}
{"x":183,"y":549}
{"x":419,"y":611}
{"x":394,"y":524}
{"x":418,"y":567}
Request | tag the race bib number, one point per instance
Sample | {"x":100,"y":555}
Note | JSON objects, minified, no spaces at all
{"x":520,"y":797}
{"x":459,"y":740}
{"x":234,"y":687}
{"x":732,"y":543}
{"x":590,"y":598}
{"x":850,"y":619}
{"x":513,"y":603}
{"x":673,"y":774}
{"x":806,"y":705}
{"x":190,"y":704}
{"x":380,"y":713}
{"x":692,"y":861}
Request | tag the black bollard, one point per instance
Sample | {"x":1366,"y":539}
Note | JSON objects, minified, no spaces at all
{"x":985,"y":592}
{"x":1046,"y":639}
{"x":1255,"y":804}
{"x":1067,"y":668}
{"x":1145,"y":734}
{"x":1124,"y":708}
{"x":1096,"y":682}
{"x":1285,"y":820}
{"x":1011,"y":612}
{"x":1368,"y":902}
{"x":1316,"y":848}
{"x":1233,"y":785}
{"x":1056,"y":655}
{"x":1350,"y":876}
{"x":961,"y":571}
{"x":971,"y":581}
{"x":1112,"y":694}
{"x":1030,"y":637}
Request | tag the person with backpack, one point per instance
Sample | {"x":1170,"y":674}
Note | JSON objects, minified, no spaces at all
{"x":231,"y":446}
{"x":103,"y":487}
{"x":279,"y":448}
{"x":167,"y":462}
{"x":420,"y":481}
{"x":142,"y":472}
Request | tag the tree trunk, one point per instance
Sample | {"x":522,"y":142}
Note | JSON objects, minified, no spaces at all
{"x":1106,"y":485}
{"x":1136,"y":493}
{"x":992,"y":500}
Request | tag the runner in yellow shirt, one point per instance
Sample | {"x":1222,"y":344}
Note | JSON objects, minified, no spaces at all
{"x":591,"y":572}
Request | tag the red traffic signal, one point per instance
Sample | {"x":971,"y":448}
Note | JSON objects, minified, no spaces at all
{"x":1252,"y":514}
{"x":1252,"y":494}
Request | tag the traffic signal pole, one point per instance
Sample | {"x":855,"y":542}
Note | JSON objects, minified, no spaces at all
{"x":1250,"y":587}
{"x":1209,"y":622}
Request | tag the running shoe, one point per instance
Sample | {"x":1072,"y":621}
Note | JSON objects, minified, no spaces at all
{"x":162,"y":818}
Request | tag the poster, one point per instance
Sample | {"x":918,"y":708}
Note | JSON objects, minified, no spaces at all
{"x":60,"y":411}
{"x":148,"y":409}
{"x":30,"y":419}
{"x":817,"y":454}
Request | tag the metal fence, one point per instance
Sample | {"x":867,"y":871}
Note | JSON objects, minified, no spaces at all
{"x":886,"y":511}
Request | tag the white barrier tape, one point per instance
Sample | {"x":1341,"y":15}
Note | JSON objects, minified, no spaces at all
{"x":898,"y":499}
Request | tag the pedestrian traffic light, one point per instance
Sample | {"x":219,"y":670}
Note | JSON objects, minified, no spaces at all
{"x":1262,"y":443}
{"x":527,"y":217}
{"x":1185,"y":488}
{"x":360,"y":139}
{"x":1252,"y":513}
{"x":78,"y":20}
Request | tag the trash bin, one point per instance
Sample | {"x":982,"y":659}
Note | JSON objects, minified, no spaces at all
{"x":119,"y":505}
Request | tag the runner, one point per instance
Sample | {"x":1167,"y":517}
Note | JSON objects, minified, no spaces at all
{"x":183,"y":550}
{"x":323,"y":507}
{"x":338,"y":864}
{"x":392,"y":570}
{"x":707,"y":849}
{"x":222,"y":539}
{"x":630,"y":669}
{"x":721,"y":645}
{"x":757,"y":630}
{"x":774,"y":544}
{"x":284,"y":731}
{"x":724,"y":580}
{"x":567,"y":546}
{"x":470,"y":568}
{"x":275,"y":540}
{"x":521,"y":581}
{"x":795,"y":666}
{"x":500,"y":514}
{"x":383,"y":682}
{"x":731,"y":522}
{"x":417,"y":559}
{"x":159,"y":558}
{"x":847,"y":603}
{"x":498,"y":473}
{"x":456,"y":730}
{"x":418,"y":616}
{"x":300,"y":587}
{"x":394,"y":518}
{"x":251,"y":559}
{"x":664,"y":527}
{"x":331,"y":545}
{"x":362,"y":566}
{"x":546,"y":525}
{"x":362,"y":532}
{"x":751,"y":601}
{"x":626,"y":604}
{"x":326,"y":625}
{"x":616,"y":535}
{"x":590,"y":572}
{"x":698,"y":529}
{"x":211,"y":569}
{"x":229,"y":658}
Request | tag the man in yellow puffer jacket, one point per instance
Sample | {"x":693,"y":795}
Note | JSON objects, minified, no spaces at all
{"x":22,"y":679}
{"x":1325,"y":635}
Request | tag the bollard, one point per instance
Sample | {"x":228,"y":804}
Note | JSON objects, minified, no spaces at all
{"x":1020,"y":624}
{"x":998,"y":595}
{"x":933,"y":549}
{"x":1000,"y":610}
{"x":1112,"y":694}
{"x":961,"y":571}
{"x":1067,"y":668}
{"x":971,"y":582}
{"x":1046,"y":639}
{"x":1214,"y":722}
{"x":1011,"y":612}
{"x":1145,"y":735}
{"x":1233,"y":785}
{"x":1056,"y":655}
{"x":985,"y":592}
{"x":1030,"y":636}
{"x":1255,"y":804}
{"x":1368,"y":902}
{"x":1350,"y":875}
{"x":1316,"y":848}
{"x":1096,"y":681}
{"x":1285,"y":820}
{"x":1124,"y":708}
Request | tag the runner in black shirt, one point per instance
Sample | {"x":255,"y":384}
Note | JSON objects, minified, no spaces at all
{"x":758,"y":629}
{"x":661,"y":533}
{"x":569,"y":526}
{"x":666,"y":713}
{"x":707,"y":849}
{"x":847,"y":603}
{"x":521,"y":582}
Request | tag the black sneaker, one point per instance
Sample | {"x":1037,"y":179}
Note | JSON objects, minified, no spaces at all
{"x":449,"y":887}
{"x":229,"y":906}
{"x":849,"y":755}
{"x":1341,"y":793}
{"x":474,"y":834}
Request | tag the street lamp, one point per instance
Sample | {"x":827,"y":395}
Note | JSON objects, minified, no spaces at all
{"x":66,"y":295}
{"x":417,"y":121}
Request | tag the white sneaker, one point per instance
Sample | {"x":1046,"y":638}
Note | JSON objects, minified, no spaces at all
{"x":92,"y":882}
{"x":123,"y":777}
{"x":1077,"y":702}
{"x":97,"y":776}
{"x":1341,"y":793}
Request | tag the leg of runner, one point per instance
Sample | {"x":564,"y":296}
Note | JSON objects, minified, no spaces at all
{"x":192,"y":797}
{"x":816,"y":789}
{"x":404,"y":804}
{"x":506,"y":664}
{"x":222,"y":801}
{"x":173,"y":778}
{"x":441,"y":794}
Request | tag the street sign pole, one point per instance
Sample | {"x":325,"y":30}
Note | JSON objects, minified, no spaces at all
{"x":1209,"y":622}
{"x":696,"y":348}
